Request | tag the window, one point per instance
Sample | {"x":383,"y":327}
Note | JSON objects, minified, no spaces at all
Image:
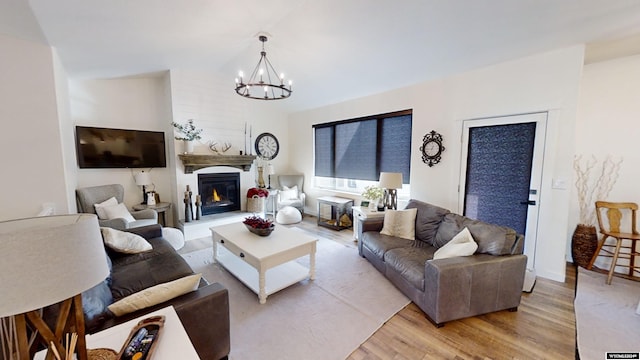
{"x":350,"y":154}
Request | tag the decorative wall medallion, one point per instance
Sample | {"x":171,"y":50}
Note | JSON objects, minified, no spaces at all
{"x":432,"y":148}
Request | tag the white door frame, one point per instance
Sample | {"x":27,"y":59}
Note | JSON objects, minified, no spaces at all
{"x":540,"y":118}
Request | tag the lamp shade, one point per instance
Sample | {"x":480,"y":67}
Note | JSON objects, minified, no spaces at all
{"x":45,"y":260}
{"x":389,"y":180}
{"x":143,"y":178}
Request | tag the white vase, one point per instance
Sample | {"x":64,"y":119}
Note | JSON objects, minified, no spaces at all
{"x":188,"y":147}
{"x":373,"y":205}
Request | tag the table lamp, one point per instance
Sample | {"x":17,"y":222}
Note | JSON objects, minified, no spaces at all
{"x":45,"y":261}
{"x":143,"y":179}
{"x":390,"y":182}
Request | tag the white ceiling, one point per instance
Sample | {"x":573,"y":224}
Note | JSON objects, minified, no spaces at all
{"x":332,"y":49}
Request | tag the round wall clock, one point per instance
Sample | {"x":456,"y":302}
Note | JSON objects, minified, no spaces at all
{"x":267,"y":146}
{"x":432,"y":148}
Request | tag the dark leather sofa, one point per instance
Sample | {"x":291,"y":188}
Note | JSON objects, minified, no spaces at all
{"x":452,"y":288}
{"x":204,"y":312}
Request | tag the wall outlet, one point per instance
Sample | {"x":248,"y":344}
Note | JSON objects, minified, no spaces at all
{"x":559,"y":183}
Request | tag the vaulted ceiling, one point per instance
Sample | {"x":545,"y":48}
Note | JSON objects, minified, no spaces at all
{"x":332,"y":49}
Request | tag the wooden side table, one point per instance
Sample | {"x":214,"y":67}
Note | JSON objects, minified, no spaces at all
{"x":160,"y":208}
{"x":335,"y":207}
{"x":363,"y":212}
{"x":174,"y":343}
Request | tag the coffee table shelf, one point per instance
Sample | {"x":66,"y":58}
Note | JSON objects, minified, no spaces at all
{"x":264,"y":264}
{"x":276,"y":278}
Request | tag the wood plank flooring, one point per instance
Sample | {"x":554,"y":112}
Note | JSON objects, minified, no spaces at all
{"x":542,"y":328}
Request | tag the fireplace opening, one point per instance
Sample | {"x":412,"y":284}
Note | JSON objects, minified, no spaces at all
{"x":219,"y":193}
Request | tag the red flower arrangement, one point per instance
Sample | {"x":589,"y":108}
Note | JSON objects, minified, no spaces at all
{"x":259,"y":192}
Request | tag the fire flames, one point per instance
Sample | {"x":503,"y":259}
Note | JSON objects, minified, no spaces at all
{"x":215,"y":196}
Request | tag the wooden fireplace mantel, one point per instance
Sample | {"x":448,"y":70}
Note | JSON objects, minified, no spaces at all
{"x":193,"y":162}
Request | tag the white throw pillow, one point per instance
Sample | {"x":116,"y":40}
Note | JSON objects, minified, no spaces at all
{"x":118,"y":211}
{"x":100,"y":207}
{"x":155,"y":295}
{"x":400,"y":223}
{"x":124,"y":242}
{"x":289,"y":193}
{"x":461,"y":245}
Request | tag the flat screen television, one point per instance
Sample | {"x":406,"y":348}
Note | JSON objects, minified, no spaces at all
{"x":102,"y":148}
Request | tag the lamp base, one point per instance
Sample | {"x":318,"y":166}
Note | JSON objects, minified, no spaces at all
{"x":70,"y":319}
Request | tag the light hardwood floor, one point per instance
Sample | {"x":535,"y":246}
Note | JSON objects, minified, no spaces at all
{"x":542,"y":328}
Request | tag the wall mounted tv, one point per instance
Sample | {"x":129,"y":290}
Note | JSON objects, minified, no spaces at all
{"x":102,"y":148}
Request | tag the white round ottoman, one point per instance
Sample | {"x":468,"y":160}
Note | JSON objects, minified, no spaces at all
{"x":174,"y":236}
{"x":288,"y":215}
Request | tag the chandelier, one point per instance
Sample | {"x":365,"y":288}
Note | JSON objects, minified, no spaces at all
{"x":264,"y":82}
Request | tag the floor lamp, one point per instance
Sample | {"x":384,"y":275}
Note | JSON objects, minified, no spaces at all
{"x":390,"y":182}
{"x":44,"y":261}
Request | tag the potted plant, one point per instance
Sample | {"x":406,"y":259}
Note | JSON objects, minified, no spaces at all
{"x":189,"y":133}
{"x":585,"y":239}
{"x":375,"y":194}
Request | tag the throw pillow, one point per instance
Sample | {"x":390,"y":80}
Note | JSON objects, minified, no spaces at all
{"x":492,"y":239}
{"x":155,"y":295}
{"x":461,"y":245}
{"x":118,"y":211}
{"x":102,"y":215}
{"x":400,"y":223}
{"x":124,"y":242}
{"x":289,"y":193}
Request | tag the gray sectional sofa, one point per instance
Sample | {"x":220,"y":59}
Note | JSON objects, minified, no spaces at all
{"x":452,"y":288}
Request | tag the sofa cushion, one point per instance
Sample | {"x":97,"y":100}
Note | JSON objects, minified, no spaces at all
{"x":450,"y":226}
{"x":155,"y":295}
{"x":492,"y":239}
{"x":123,"y":241}
{"x":102,"y":215}
{"x":134,"y":272}
{"x":409,"y":263}
{"x":117,"y":212}
{"x":461,"y":245}
{"x":428,"y":220}
{"x":400,"y":223}
{"x":379,"y":244}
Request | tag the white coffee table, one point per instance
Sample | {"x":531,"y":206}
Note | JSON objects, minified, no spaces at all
{"x":242,"y":253}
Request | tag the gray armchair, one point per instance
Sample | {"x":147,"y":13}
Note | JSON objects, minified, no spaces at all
{"x":87,"y":197}
{"x":290,"y":181}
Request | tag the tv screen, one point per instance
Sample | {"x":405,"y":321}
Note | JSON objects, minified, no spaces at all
{"x":119,"y":148}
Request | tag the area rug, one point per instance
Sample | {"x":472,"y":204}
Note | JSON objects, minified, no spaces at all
{"x":606,"y":319}
{"x":324,"y":319}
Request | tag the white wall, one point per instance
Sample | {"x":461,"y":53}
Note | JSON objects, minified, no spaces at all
{"x":31,"y":148}
{"x":608,"y":123}
{"x":209,"y":99}
{"x":138,"y":103}
{"x":544,"y":82}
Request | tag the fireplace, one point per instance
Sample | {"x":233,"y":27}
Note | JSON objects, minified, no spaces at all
{"x":219,"y":192}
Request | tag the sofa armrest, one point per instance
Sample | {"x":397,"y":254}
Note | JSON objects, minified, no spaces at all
{"x":204,"y":313}
{"x":145,"y":214}
{"x":471,"y":285}
{"x":371,"y":225}
{"x":118,"y":224}
{"x":147,"y":232}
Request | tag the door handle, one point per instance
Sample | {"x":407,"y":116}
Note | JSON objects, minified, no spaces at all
{"x":528,"y":202}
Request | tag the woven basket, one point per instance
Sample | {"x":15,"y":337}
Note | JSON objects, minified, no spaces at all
{"x":255,"y":204}
{"x":583,"y":244}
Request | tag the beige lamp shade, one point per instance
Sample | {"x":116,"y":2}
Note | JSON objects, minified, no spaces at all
{"x":389,"y":180}
{"x":46,"y":260}
{"x":143,"y":178}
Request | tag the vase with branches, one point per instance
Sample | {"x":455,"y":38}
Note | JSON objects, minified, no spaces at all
{"x":594,"y":181}
{"x":189,"y":132}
